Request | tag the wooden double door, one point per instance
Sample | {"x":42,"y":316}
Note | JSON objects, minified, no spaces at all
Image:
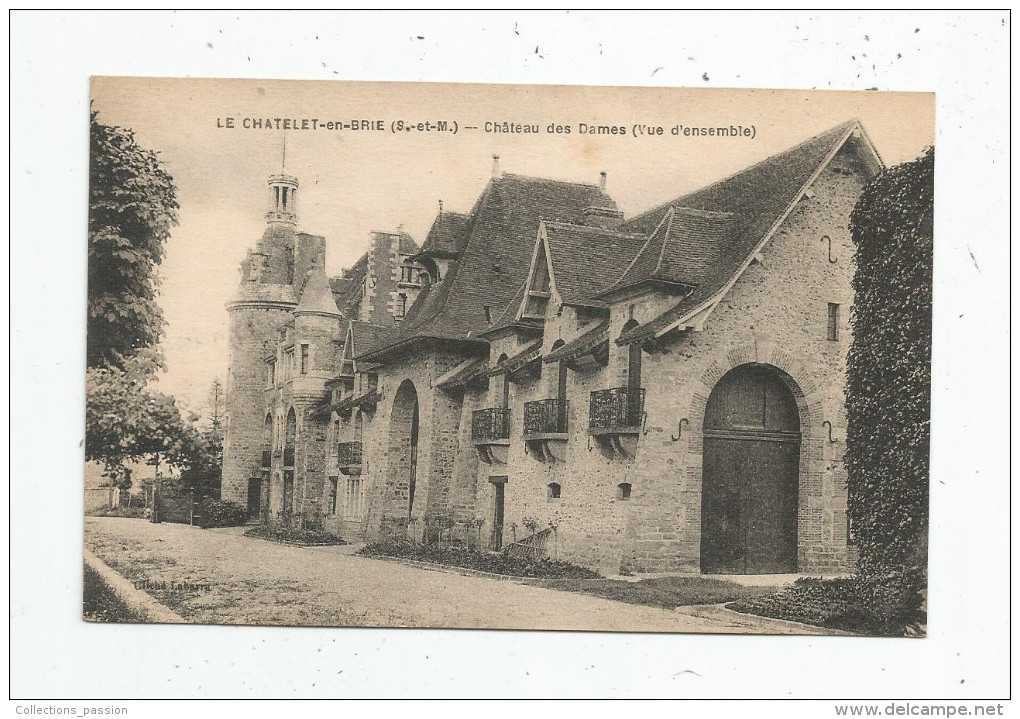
{"x":751,"y":462}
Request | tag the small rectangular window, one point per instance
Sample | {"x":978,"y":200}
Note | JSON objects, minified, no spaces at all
{"x":833,"y":322}
{"x":401,"y":305}
{"x":304,"y":359}
{"x":271,"y":375}
{"x":288,"y":365}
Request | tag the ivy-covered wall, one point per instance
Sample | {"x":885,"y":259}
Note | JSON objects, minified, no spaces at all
{"x":889,"y":388}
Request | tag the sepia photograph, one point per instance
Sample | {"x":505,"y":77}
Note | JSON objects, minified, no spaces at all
{"x":508,"y":357}
{"x":472,"y":357}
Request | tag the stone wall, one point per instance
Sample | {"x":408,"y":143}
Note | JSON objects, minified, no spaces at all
{"x":385,"y":449}
{"x":776,"y":314}
{"x":253,"y":336}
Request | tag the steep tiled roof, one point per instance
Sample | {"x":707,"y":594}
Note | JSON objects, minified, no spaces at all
{"x":760,"y":189}
{"x":347,"y":290}
{"x":753,"y":200}
{"x":367,"y":335}
{"x":496,"y":256}
{"x":407,"y":244}
{"x":448,"y":234}
{"x":587,"y":260}
{"x":686,"y":244}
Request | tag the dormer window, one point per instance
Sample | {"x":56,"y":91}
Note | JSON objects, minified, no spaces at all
{"x":539,"y":289}
{"x":408,"y":275}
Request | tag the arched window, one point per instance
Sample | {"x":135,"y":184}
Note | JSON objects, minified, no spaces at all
{"x":267,"y":441}
{"x":290,"y":439}
{"x":552,"y":491}
{"x":623,"y":490}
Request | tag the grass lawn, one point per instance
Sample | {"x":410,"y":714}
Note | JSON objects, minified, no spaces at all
{"x":665,"y":592}
{"x":100,"y":604}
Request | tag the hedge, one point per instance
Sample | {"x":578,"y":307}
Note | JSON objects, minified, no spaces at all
{"x":217,"y":513}
{"x":889,"y":390}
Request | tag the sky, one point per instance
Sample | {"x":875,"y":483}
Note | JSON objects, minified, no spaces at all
{"x":354,"y":182}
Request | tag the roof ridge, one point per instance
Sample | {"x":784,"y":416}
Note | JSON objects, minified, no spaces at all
{"x":592,"y":228}
{"x":704,"y":214}
{"x":847,"y":124}
{"x":536,"y":178}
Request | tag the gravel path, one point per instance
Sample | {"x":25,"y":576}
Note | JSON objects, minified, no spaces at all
{"x":222,"y":577}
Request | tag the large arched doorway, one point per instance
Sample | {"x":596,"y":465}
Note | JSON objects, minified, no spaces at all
{"x":403,"y":445}
{"x":750,"y":466}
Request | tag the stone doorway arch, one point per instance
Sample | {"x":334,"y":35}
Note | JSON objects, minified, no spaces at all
{"x":750,"y":468}
{"x":403,"y":493}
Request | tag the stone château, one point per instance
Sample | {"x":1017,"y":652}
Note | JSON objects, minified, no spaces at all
{"x":662,"y":392}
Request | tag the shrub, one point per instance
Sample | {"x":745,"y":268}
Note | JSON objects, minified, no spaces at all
{"x":830,"y":603}
{"x":217,"y":513}
{"x":129,"y":512}
{"x":455,"y":555}
{"x":889,"y":391}
{"x":286,"y":535}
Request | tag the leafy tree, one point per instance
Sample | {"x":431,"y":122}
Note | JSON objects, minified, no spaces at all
{"x":132,"y":206}
{"x":889,"y":390}
{"x":126,"y":422}
{"x":203,"y":460}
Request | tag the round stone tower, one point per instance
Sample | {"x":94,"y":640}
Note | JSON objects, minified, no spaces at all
{"x":264,"y":304}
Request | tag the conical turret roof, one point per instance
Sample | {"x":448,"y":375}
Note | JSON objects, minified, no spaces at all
{"x":316,"y":296}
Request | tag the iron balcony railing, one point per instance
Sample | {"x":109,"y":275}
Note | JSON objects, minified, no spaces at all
{"x":617,"y":407}
{"x":349,"y":454}
{"x":288,"y":456}
{"x":545,"y":416}
{"x":490,"y":424}
{"x":267,"y":458}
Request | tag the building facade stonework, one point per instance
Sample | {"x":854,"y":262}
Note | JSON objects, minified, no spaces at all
{"x":543,"y":374}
